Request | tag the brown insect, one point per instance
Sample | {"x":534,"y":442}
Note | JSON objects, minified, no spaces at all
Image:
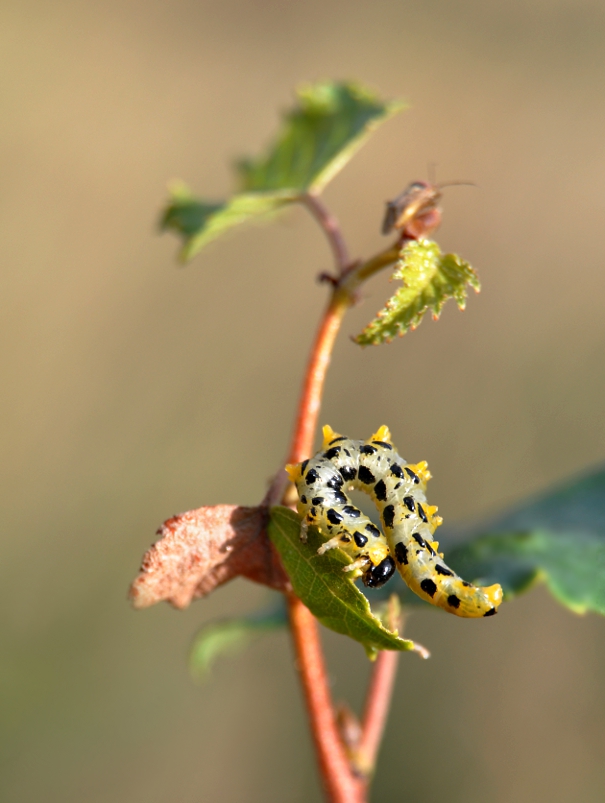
{"x":416,"y":213}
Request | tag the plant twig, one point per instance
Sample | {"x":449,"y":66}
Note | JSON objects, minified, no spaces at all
{"x":331,"y":228}
{"x":358,"y":273}
{"x":376,"y":711}
{"x":341,"y":785}
{"x":342,"y":781}
{"x":315,"y":375}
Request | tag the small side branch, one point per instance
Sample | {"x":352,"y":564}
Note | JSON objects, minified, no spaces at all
{"x":376,"y":710}
{"x":331,"y":228}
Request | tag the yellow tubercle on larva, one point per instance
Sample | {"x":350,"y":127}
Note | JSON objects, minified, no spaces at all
{"x":434,"y":520}
{"x":293,"y":470}
{"x":494,"y":594}
{"x":329,"y":436}
{"x":383,"y":434}
{"x":431,"y":510}
{"x":422,"y":470}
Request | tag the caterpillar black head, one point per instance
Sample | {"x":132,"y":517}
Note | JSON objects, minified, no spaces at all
{"x":377,"y":576}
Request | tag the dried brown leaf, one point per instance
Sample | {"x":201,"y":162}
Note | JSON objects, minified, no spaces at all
{"x":204,"y":548}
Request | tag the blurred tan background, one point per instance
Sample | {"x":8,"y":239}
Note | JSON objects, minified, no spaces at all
{"x":126,"y":397}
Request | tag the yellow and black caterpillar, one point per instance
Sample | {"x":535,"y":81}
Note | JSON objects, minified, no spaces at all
{"x":398,"y":491}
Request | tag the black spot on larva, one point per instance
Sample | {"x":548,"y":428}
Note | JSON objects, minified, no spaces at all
{"x":348,"y":473}
{"x":491,"y":612}
{"x":360,"y":539}
{"x":312,"y":476}
{"x":399,"y":484}
{"x":373,"y":530}
{"x":367,"y":449}
{"x":453,"y":601}
{"x":340,"y":498}
{"x":419,"y":540}
{"x":333,"y":516}
{"x":351,"y":511}
{"x":401,"y":553}
{"x":388,"y":515}
{"x":339,"y":438}
{"x":312,"y":513}
{"x":466,"y":585}
{"x":430,"y":548}
{"x":377,"y":576}
{"x":303,"y":466}
{"x":366,"y":476}
{"x":332,"y":453}
{"x":347,"y":452}
{"x":421,"y":513}
{"x":317,"y":500}
{"x":380,"y":489}
{"x":335,"y":482}
{"x":429,"y":587}
{"x":303,"y":499}
{"x":412,"y":475}
{"x":345,"y":539}
{"x":442,"y":570}
{"x":396,"y":470}
{"x":383,"y":444}
{"x":408,"y":501}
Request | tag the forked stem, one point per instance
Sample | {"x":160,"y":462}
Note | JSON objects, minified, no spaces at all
{"x":331,"y":229}
{"x":342,"y":780}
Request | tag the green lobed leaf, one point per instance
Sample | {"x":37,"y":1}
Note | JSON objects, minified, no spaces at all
{"x":558,"y":539}
{"x":332,"y":597}
{"x":200,"y":222}
{"x":429,"y":279}
{"x":232,"y":635}
{"x":319,"y":136}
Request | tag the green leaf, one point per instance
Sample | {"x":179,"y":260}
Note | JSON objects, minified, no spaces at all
{"x":429,"y":279}
{"x":200,"y":222}
{"x":559,"y":539}
{"x":232,"y":635}
{"x":318,"y":137}
{"x":332,"y":597}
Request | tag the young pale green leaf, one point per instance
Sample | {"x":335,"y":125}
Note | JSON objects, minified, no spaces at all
{"x":232,"y":635}
{"x":558,"y":539}
{"x":326,"y":590}
{"x":200,"y":222}
{"x":318,"y":137}
{"x":429,"y":279}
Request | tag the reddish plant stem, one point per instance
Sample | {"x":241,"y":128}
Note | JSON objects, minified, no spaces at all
{"x":330,"y":226}
{"x":341,"y":785}
{"x":315,"y":375}
{"x":342,"y":782}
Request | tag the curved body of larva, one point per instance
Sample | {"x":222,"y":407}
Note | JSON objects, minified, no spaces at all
{"x":398,"y":491}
